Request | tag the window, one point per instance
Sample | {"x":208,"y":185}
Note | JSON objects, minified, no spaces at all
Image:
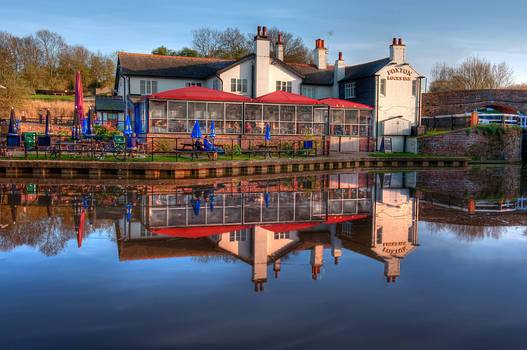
{"x":192,"y":83}
{"x":414,"y":88}
{"x":383,"y":87}
{"x":349,"y":90}
{"x":238,"y":236}
{"x":180,"y":116}
{"x":281,"y":235}
{"x":309,"y":91}
{"x":349,"y":122}
{"x":147,"y":87}
{"x":238,"y":85}
{"x":283,"y":85}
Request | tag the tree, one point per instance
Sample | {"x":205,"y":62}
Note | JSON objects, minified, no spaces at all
{"x":52,"y":45}
{"x":186,"y":52}
{"x":231,"y":43}
{"x":472,"y":74}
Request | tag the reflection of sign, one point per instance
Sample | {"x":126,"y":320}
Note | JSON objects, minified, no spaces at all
{"x":394,"y":251}
{"x":407,"y":74}
{"x":388,"y":145}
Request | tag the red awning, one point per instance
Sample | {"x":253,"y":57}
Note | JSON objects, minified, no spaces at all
{"x":286,"y":97}
{"x":337,"y":219}
{"x":199,"y":93}
{"x":197,"y":232}
{"x":336,"y":103}
{"x":290,"y":227}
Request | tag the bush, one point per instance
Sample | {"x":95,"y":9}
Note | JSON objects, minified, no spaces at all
{"x":164,"y":145}
{"x":106,"y":130}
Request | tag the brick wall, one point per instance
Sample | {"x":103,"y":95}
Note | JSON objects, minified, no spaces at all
{"x":455,"y":102}
{"x":474,"y":144}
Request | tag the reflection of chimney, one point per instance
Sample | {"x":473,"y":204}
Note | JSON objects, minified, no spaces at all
{"x":317,"y":260}
{"x":392,"y":269}
{"x":336,"y":244}
{"x":276,"y":268}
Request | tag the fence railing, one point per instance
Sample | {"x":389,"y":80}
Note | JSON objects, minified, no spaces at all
{"x":461,"y":121}
{"x":148,"y":148}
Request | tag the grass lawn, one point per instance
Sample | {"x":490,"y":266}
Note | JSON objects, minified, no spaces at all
{"x":53,"y":97}
{"x":406,"y":154}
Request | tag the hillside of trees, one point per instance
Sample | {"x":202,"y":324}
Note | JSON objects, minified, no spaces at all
{"x":45,"y":61}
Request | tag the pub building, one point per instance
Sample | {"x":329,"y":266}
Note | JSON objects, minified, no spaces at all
{"x":354,"y":105}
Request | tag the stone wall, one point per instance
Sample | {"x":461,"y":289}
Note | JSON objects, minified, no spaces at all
{"x":456,"y":102}
{"x":474,"y":143}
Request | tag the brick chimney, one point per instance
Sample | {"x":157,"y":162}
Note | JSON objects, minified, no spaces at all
{"x":398,"y":51}
{"x":262,"y":46}
{"x":280,"y":48}
{"x":319,"y":54}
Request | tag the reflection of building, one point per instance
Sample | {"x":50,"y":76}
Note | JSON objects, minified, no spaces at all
{"x":376,"y":218}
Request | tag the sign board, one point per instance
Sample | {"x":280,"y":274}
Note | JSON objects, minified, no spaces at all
{"x":388,"y":145}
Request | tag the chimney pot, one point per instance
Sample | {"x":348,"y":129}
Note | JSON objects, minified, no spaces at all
{"x":279,"y":38}
{"x":322,"y":44}
{"x":400,"y":41}
{"x":340,"y":56}
{"x":260,"y":31}
{"x":316,"y":43}
{"x":264,"y":31}
{"x":394,"y":41}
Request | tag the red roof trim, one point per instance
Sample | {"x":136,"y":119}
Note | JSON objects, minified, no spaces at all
{"x":290,"y":227}
{"x":337,"y":219}
{"x":286,"y":98}
{"x":338,"y":103}
{"x":197,"y":232}
{"x":200,"y":94}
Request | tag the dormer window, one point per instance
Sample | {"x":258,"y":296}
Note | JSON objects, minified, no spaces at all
{"x":349,"y":90}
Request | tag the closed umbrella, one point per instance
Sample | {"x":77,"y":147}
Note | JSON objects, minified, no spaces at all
{"x":75,"y":128}
{"x":79,"y":97}
{"x":267,"y":132}
{"x":266,"y":197}
{"x":212,"y":129}
{"x":138,"y":128}
{"x":128,"y":212}
{"x":128,"y":126}
{"x":85,"y":126}
{"x":11,"y":130}
{"x":47,"y":122}
{"x":196,"y":132}
{"x":89,"y":123}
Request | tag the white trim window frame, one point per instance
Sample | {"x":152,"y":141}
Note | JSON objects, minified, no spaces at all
{"x":147,"y":87}
{"x":238,"y":85}
{"x":350,"y":90}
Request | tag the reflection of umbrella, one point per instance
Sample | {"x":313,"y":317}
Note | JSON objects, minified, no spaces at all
{"x":137,"y":121}
{"x":196,"y":132}
{"x":266,"y":197}
{"x":11,"y":130}
{"x":196,"y":205}
{"x":212,"y":129}
{"x":128,"y":212}
{"x":47,"y":122}
{"x":79,"y":98}
{"x":128,"y":126}
{"x":211,"y":204}
{"x":81,"y":229}
{"x":267,"y":132}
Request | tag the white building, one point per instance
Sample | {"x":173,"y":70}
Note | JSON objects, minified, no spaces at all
{"x":390,"y":85}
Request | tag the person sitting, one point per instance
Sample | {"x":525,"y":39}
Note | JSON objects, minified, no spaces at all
{"x":198,"y":146}
{"x":209,"y":147}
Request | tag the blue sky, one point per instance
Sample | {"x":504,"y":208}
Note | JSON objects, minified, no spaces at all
{"x":446,"y":31}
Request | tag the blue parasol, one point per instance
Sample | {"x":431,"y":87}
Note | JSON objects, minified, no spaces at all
{"x":11,"y":130}
{"x":267,"y":132}
{"x":212,"y":129}
{"x":84,"y":126}
{"x":266,"y":197}
{"x":211,"y":204}
{"x":128,"y":126}
{"x":196,"y":205}
{"x":47,"y":122}
{"x":196,"y":132}
{"x":128,"y":212}
{"x":137,"y":121}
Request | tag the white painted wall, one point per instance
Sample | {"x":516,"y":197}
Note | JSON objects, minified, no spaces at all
{"x":277,"y":72}
{"x":163,"y":84}
{"x":241,"y":71}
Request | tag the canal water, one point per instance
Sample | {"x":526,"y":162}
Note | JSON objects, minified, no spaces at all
{"x":404,"y":260}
